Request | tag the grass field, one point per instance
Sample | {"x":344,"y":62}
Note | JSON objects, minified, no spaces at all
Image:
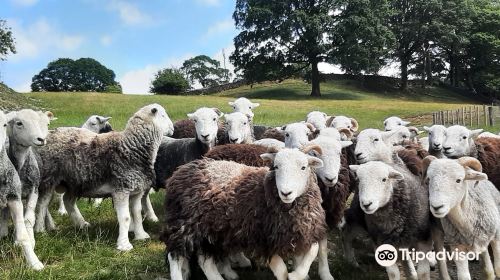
{"x":69,"y":253}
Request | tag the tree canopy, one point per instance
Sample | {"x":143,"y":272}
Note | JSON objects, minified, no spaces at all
{"x":169,"y":81}
{"x":65,"y":74}
{"x":7,"y":43}
{"x":205,"y":70}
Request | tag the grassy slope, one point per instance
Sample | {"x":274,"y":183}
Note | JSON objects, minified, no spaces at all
{"x":9,"y":99}
{"x":73,"y":254}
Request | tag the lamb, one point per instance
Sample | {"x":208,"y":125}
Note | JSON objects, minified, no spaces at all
{"x":460,"y":142}
{"x":317,"y":119}
{"x":229,"y":207}
{"x":392,"y":123}
{"x":396,"y":208}
{"x":467,"y":205}
{"x":97,"y":124}
{"x":488,"y":134}
{"x":26,"y":128}
{"x":437,"y":135}
{"x":10,"y":197}
{"x":176,"y":152}
{"x":117,"y":164}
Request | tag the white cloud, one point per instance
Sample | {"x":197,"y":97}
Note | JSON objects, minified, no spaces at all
{"x":41,"y":37}
{"x":138,"y":81}
{"x":25,"y":3}
{"x":106,"y":40}
{"x":220,"y":27}
{"x":24,"y":87}
{"x":209,"y":2}
{"x":130,"y":14}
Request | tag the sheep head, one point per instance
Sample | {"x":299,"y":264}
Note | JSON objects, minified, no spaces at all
{"x":29,"y":128}
{"x":206,"y":121}
{"x":459,"y":141}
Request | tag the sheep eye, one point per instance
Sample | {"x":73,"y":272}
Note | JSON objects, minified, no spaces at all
{"x":399,"y":123}
{"x":275,"y":167}
{"x":384,"y":180}
{"x":303,"y":168}
{"x":5,"y":125}
{"x":348,"y":126}
{"x":376,"y":139}
{"x":245,"y":123}
{"x":404,"y":136}
{"x":19,"y":124}
{"x":214,"y":119}
{"x":430,"y":133}
{"x":287,"y":135}
{"x":459,"y":181}
{"x":250,"y":107}
{"x":465,"y":137}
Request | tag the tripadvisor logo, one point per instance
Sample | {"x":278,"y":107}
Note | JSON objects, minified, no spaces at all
{"x":387,"y":255}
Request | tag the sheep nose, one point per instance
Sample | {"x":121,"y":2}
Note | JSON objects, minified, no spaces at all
{"x":40,"y":139}
{"x":358,"y":155}
{"x":285,"y":194}
{"x":437,"y":145}
{"x":446,"y":148}
{"x":330,"y":179}
{"x":233,"y":140}
{"x":366,"y":205}
{"x":436,"y":208}
{"x":205,"y":136}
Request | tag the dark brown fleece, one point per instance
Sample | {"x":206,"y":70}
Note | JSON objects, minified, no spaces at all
{"x":412,"y":155}
{"x":488,"y":153}
{"x":274,"y":133}
{"x":248,"y":154}
{"x":244,"y":214}
{"x":184,"y":129}
{"x":335,"y":198}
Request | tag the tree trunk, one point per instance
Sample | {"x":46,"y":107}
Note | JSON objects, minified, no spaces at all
{"x":428,"y":65}
{"x":315,"y":79}
{"x":404,"y":73}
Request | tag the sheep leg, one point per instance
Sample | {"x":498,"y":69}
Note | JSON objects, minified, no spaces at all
{"x":278,"y":267}
{"x":22,"y":238}
{"x":209,"y":267}
{"x":74,"y":212}
{"x":487,"y":265}
{"x":135,"y":210}
{"x":176,"y":265}
{"x":423,"y":267}
{"x":393,"y":272}
{"x":412,"y":272}
{"x":49,"y":221}
{"x":495,"y":246}
{"x":226,"y":270}
{"x":29,"y":214}
{"x":302,"y":270}
{"x":121,"y":203}
{"x":97,"y":202}
{"x":62,"y":210}
{"x":462,"y":269}
{"x":438,"y":239}
{"x":149,"y":212}
{"x":4,"y":222}
{"x":240,"y":260}
{"x":323,"y":268}
{"x":42,"y":209}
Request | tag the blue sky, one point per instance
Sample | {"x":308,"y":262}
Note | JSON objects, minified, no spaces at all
{"x":134,"y":38}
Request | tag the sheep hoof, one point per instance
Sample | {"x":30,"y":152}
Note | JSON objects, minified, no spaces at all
{"x":294,"y":276}
{"x":39,"y":229}
{"x":153,"y":218}
{"x":326,"y":276}
{"x":142,"y":236}
{"x":62,"y":212}
{"x":37,"y":266}
{"x":125,"y":247}
{"x":84,"y":225}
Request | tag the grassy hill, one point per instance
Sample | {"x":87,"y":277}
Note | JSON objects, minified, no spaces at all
{"x":69,"y":253}
{"x":10,"y":100}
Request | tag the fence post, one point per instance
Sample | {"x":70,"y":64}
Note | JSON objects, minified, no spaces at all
{"x":485,"y":115}
{"x":470,"y":116}
{"x":477,"y":115}
{"x":490,"y":112}
{"x":463,"y":116}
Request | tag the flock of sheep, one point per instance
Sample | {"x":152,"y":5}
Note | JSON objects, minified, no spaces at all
{"x":236,"y":191}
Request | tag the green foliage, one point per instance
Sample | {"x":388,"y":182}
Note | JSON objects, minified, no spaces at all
{"x":116,"y":88}
{"x":362,"y":39}
{"x":280,"y":37}
{"x":7,"y":43}
{"x":169,"y":81}
{"x":205,"y":70}
{"x":65,"y":74}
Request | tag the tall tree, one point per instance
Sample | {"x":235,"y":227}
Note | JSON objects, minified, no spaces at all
{"x":205,"y":70}
{"x":362,"y":39}
{"x":7,"y":43}
{"x":65,"y":74}
{"x":410,"y":22}
{"x":169,"y":81}
{"x":284,"y":36}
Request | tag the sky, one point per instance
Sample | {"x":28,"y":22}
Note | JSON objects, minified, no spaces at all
{"x":134,"y":38}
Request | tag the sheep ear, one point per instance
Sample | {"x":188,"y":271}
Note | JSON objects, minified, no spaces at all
{"x":346,"y":132}
{"x":268,"y":158}
{"x":230,"y":103}
{"x":393,"y":174}
{"x":426,"y":128}
{"x":405,"y":123}
{"x":218,"y":112}
{"x":190,"y":116}
{"x":473,"y":175}
{"x":50,"y":115}
{"x":355,"y":125}
{"x":10,"y":116}
{"x":105,"y":119}
{"x":325,"y":115}
{"x":255,"y":105}
{"x":345,"y":144}
{"x":474,"y":133}
{"x":388,"y":134}
{"x":329,"y":121}
{"x":314,"y":162}
{"x":354,"y":167}
{"x":282,"y":128}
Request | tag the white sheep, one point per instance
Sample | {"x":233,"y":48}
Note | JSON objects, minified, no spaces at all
{"x":436,"y":138}
{"x":468,"y":206}
{"x":339,"y":122}
{"x":317,"y":118}
{"x":392,"y":123}
{"x":243,"y":105}
{"x":459,"y":141}
{"x":238,"y":128}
